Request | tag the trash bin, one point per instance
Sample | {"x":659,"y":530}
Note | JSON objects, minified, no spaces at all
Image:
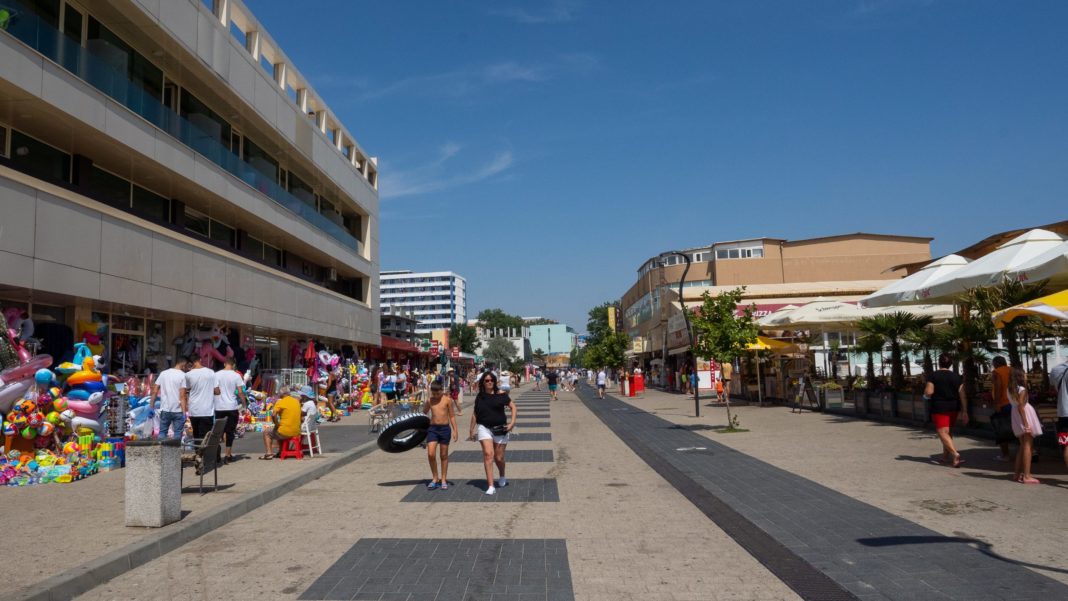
{"x":153,"y":482}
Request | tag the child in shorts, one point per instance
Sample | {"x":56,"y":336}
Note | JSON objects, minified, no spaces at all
{"x":442,"y":429}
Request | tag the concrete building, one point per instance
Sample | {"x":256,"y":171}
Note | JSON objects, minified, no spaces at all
{"x":438,"y":299}
{"x":775,"y":273}
{"x":552,"y":339}
{"x":401,"y":325}
{"x":166,"y":169}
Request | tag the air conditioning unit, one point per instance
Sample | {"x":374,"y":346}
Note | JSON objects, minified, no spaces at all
{"x":331,"y":274}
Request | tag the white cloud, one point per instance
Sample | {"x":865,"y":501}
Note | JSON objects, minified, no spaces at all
{"x":558,"y":11}
{"x":439,"y":174}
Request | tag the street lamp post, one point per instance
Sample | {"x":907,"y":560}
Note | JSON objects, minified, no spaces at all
{"x":689,"y":330}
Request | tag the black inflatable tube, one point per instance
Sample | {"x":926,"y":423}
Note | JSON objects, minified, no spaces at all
{"x":404,"y":433}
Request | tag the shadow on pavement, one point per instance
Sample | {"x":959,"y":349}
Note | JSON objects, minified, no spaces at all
{"x":404,"y":482}
{"x":981,"y":546}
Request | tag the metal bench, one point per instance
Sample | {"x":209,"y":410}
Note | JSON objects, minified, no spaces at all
{"x":205,"y":455}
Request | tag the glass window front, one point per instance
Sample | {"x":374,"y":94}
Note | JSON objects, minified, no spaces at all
{"x":150,"y":205}
{"x":223,"y":233}
{"x":38,"y":159}
{"x":197,"y":222}
{"x":109,"y":188}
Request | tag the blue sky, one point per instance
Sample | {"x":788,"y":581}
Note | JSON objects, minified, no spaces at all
{"x":544,"y":150}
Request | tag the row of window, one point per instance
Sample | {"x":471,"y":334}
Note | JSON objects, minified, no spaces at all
{"x":91,"y":51}
{"x":33,"y":157}
{"x":754,"y":252}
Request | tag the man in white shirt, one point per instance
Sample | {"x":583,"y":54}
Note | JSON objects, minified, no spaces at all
{"x":172,"y":407}
{"x":199,"y":391}
{"x":231,"y":387}
{"x":602,"y":381}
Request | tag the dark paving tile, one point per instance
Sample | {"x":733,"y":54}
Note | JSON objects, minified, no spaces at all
{"x":532,"y":415}
{"x":529,"y":424}
{"x":479,"y":570}
{"x":523,"y":436}
{"x":528,"y":490}
{"x":512,"y":456}
{"x":823,"y":544}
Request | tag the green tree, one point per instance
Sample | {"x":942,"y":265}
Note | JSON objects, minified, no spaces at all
{"x":720,"y":334}
{"x":539,"y":356}
{"x":500,"y":351}
{"x":924,"y":339}
{"x":893,"y":327}
{"x":986,"y":301}
{"x":498,"y":319}
{"x":870,"y":345}
{"x":597,"y":324}
{"x":463,"y":336}
{"x":540,"y":321}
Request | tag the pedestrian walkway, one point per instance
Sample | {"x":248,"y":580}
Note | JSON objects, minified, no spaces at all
{"x":822,"y":543}
{"x":614,"y":531}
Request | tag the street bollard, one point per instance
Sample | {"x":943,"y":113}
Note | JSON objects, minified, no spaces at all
{"x":153,"y":482}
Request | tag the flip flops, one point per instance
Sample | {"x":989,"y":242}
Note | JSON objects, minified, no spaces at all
{"x":433,"y":486}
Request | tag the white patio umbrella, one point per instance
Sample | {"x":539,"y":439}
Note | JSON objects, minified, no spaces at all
{"x":907,"y":288}
{"x":990,"y":269}
{"x":935,"y":312}
{"x":776,"y":317}
{"x":823,"y":314}
{"x":1050,"y":265}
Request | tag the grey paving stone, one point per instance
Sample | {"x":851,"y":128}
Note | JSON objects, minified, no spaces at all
{"x":821,"y":543}
{"x":512,"y":569}
{"x":512,"y":456}
{"x":522,"y":423}
{"x":522,"y":435}
{"x":524,"y":490}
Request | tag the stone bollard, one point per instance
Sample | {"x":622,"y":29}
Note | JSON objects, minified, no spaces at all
{"x":153,"y":482}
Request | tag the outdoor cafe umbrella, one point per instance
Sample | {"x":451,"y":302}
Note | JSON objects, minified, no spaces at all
{"x":763,"y":343}
{"x":1051,"y":265}
{"x":823,"y":314}
{"x":1051,"y":308}
{"x":990,"y":269}
{"x":776,"y":317}
{"x":907,"y":288}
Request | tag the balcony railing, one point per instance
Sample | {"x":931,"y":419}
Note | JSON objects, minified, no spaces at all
{"x":105,"y":75}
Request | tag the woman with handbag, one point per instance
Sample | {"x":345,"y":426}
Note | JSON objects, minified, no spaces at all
{"x":490,"y":426}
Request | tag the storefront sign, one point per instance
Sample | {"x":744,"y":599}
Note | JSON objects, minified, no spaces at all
{"x":759,"y":310}
{"x":638,"y":345}
{"x":455,"y":352}
{"x":640,"y":311}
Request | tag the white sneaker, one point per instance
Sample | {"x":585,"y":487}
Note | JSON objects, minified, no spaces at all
{"x":490,"y":490}
{"x":502,"y":482}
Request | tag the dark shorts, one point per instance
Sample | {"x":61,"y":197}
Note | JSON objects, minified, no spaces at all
{"x":391,"y":395}
{"x":1062,"y":431}
{"x":552,"y":386}
{"x":439,"y":434}
{"x":274,"y":435}
{"x":601,"y":386}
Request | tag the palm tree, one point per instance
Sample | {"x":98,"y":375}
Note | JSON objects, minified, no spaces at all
{"x":870,"y":345}
{"x":924,"y":339}
{"x":986,"y":301}
{"x":893,"y":327}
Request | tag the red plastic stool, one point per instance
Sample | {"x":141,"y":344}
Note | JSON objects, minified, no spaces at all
{"x":291,"y":447}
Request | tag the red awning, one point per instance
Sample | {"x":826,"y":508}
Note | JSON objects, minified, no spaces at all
{"x":390,"y":343}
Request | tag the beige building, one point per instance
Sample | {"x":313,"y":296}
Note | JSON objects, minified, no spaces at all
{"x":165,"y":168}
{"x":775,"y":272}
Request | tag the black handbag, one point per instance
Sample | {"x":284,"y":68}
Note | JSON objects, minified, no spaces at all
{"x":499,"y":430}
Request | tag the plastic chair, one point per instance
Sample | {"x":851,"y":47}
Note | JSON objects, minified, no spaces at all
{"x":309,"y":432}
{"x":291,"y":447}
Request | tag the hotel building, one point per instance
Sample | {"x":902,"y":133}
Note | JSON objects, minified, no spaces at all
{"x":165,"y":169}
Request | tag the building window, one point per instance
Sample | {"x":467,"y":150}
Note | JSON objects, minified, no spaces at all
{"x":39,"y":159}
{"x":150,"y":205}
{"x":223,"y":234}
{"x":209,"y":126}
{"x":109,"y":188}
{"x":197,"y":222}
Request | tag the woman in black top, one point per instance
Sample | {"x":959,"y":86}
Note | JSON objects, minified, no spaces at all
{"x":948,"y":402}
{"x":490,"y":427}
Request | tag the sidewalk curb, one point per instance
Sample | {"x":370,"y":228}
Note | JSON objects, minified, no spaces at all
{"x":86,"y":576}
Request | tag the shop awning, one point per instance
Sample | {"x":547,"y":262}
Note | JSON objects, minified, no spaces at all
{"x":390,"y":343}
{"x":763,"y":343}
{"x":679,"y":351}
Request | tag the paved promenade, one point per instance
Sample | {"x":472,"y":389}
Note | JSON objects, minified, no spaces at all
{"x":635,"y":499}
{"x":609,"y":529}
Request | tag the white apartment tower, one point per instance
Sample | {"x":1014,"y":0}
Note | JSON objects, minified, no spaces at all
{"x":438,"y":299}
{"x":165,"y":168}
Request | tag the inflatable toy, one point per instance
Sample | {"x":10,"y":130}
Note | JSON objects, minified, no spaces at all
{"x":90,"y":333}
{"x":404,"y":433}
{"x":81,"y":353}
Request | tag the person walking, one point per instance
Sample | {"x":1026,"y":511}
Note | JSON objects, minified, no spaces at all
{"x":726,"y":371}
{"x":440,"y":434}
{"x":172,"y":403}
{"x":602,"y":381}
{"x":453,"y":382}
{"x":200,"y":389}
{"x":945,"y":391}
{"x":1001,"y":420}
{"x":1058,"y":376}
{"x":491,"y":427}
{"x":506,"y":381}
{"x":231,"y":387}
{"x":537,"y":379}
{"x":552,"y":378}
{"x":1025,"y":425}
